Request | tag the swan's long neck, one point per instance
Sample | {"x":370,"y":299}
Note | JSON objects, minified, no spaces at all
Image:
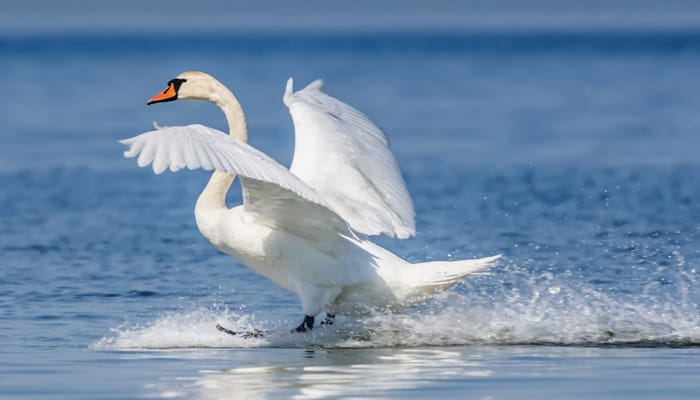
{"x":213,"y":197}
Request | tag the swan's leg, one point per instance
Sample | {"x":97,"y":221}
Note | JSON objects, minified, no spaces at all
{"x":314,"y":299}
{"x":255,"y":333}
{"x":306,"y":325}
{"x":329,"y":320}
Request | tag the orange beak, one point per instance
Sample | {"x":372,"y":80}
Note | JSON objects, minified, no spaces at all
{"x":169,"y":94}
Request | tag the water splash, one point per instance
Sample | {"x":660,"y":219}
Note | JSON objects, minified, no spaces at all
{"x":188,"y":329}
{"x":540,"y":309}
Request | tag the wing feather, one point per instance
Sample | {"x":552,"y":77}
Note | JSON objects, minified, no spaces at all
{"x":146,"y":154}
{"x":346,"y":158}
{"x":162,"y":157}
{"x":271,"y":191}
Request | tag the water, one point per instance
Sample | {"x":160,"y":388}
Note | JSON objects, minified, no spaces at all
{"x":574,"y":155}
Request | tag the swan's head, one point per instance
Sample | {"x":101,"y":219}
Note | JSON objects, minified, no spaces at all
{"x":192,"y":85}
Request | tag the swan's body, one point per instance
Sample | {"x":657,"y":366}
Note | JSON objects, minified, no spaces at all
{"x":304,"y":228}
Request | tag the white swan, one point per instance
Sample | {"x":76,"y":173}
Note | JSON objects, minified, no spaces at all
{"x":304,"y":228}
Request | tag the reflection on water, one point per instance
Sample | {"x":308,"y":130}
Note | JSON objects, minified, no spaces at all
{"x":322,"y":373}
{"x":480,"y":372}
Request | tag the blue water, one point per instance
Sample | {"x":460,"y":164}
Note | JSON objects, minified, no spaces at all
{"x":574,"y":155}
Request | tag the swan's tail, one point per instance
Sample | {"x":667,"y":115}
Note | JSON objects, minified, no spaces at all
{"x":431,"y":277}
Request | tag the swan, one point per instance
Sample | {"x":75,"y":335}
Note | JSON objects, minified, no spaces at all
{"x":305,"y":228}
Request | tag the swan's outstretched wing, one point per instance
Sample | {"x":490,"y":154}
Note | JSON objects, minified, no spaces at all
{"x":340,"y":153}
{"x":269,"y":189}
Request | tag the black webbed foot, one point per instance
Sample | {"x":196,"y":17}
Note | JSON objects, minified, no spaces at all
{"x":306,"y":325}
{"x":256,"y":333}
{"x":329,"y":320}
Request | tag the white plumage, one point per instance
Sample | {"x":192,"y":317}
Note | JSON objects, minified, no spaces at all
{"x":346,"y":158}
{"x":305,"y":228}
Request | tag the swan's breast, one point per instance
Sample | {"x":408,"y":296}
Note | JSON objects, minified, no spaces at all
{"x":292,"y":261}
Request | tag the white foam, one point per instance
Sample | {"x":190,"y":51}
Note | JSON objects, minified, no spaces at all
{"x":539,"y":309}
{"x":189,"y":329}
{"x":531,"y":321}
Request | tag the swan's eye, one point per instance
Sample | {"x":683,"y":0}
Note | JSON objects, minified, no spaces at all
{"x":177,"y":82}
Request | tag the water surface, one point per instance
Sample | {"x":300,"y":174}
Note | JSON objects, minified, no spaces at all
{"x":574,"y":155}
